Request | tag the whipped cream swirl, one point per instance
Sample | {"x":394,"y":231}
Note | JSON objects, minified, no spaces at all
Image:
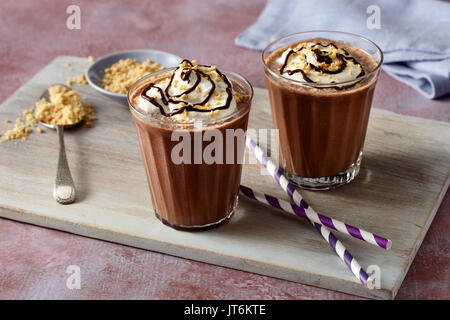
{"x":318,"y":63}
{"x":193,"y":91}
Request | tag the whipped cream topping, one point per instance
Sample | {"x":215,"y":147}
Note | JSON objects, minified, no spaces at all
{"x":193,"y":91}
{"x":318,"y":63}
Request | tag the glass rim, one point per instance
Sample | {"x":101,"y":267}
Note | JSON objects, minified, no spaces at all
{"x":208,"y":122}
{"x":325,"y":85}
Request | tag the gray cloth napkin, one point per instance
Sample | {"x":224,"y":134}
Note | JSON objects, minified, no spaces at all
{"x":414,"y":35}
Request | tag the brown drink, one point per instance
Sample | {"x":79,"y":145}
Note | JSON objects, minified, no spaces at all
{"x":185,"y":105}
{"x":321,"y":86}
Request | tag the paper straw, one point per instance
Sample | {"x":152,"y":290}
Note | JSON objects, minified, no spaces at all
{"x":305,"y":210}
{"x":345,"y":255}
{"x":337,"y":246}
{"x":315,"y":217}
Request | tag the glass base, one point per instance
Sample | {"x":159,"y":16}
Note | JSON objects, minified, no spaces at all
{"x":326,"y":183}
{"x":199,"y":227}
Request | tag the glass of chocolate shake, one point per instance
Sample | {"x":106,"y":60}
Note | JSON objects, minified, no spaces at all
{"x":191,"y":123}
{"x":321,"y":85}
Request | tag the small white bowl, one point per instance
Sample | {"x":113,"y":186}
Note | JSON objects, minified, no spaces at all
{"x":94,"y":75}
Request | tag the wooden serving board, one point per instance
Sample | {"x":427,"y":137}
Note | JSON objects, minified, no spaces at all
{"x":404,"y":176}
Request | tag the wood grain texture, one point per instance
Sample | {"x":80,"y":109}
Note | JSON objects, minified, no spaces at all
{"x":405,"y":173}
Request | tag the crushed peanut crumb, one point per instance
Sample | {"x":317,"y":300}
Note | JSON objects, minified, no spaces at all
{"x":29,"y":117}
{"x":185,"y":64}
{"x":123,"y":74}
{"x":80,"y":80}
{"x":91,"y":59}
{"x":89,"y":115}
{"x":21,"y":128}
{"x":69,"y":66}
{"x":240,"y":97}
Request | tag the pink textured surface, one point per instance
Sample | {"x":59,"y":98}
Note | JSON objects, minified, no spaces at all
{"x":33,"y":260}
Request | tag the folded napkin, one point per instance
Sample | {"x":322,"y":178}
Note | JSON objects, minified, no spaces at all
{"x":414,"y":35}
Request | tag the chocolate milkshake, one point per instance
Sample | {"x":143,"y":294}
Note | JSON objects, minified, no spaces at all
{"x":321,"y":92}
{"x":178,"y":113}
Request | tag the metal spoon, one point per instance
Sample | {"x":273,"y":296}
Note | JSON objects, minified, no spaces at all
{"x":64,"y":188}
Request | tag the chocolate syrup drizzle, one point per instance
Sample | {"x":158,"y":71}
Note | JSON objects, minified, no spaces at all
{"x":185,"y":76}
{"x":321,"y":56}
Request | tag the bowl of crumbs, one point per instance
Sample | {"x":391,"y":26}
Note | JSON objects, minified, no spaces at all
{"x":114,"y":74}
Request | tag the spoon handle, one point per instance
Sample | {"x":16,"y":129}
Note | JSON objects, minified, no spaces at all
{"x":64,"y":188}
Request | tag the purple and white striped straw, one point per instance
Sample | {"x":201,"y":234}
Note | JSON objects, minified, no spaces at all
{"x":304,"y":210}
{"x":292,"y":208}
{"x":345,"y":255}
{"x":337,"y":245}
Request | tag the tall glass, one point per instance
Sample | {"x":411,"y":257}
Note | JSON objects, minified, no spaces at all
{"x":322,"y":127}
{"x":188,"y":194}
